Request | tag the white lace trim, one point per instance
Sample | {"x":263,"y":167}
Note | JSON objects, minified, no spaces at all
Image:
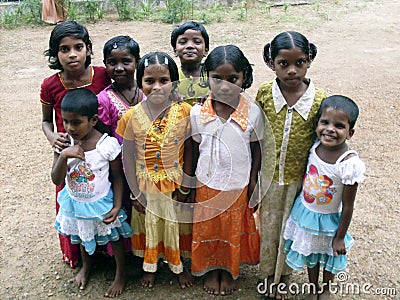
{"x":153,"y":267}
{"x":306,"y":243}
{"x":85,"y":229}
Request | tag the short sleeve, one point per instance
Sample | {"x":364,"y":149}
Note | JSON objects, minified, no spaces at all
{"x":45,"y":97}
{"x":124,"y":129}
{"x":352,"y":170}
{"x":258,"y":124}
{"x":109,"y":148}
{"x":194,"y":114}
{"x":104,"y":108}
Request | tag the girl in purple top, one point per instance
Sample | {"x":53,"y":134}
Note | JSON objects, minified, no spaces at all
{"x":121,"y":55}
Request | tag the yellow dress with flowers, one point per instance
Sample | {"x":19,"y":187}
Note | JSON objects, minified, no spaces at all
{"x":159,"y":160}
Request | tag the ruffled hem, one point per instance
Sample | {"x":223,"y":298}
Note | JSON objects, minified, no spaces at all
{"x":163,"y":186}
{"x":330,"y":263}
{"x":95,"y":210}
{"x":220,"y":267}
{"x":307,"y":243}
{"x":90,"y":233}
{"x":152,"y":268}
{"x":314,"y":222}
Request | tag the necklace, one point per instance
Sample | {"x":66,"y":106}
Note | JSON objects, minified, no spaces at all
{"x":129,"y":102}
{"x":157,"y":128}
{"x":71,"y":87}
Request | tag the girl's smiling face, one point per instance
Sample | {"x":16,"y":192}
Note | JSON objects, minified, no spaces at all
{"x":190,"y":46}
{"x":333,"y":128}
{"x":156,"y":83}
{"x":121,"y":65}
{"x":225,"y":82}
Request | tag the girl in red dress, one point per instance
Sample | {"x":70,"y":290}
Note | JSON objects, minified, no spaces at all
{"x":70,"y":50}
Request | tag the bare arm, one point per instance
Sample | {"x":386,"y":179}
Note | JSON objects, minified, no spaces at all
{"x":58,"y":140}
{"x":59,"y":169}
{"x":349,"y":195}
{"x":117,"y":184}
{"x":255,"y":148}
{"x":129,"y":154}
{"x":187,"y":170}
{"x":195,"y":159}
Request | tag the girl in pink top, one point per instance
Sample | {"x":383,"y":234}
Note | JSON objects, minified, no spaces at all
{"x":121,"y":55}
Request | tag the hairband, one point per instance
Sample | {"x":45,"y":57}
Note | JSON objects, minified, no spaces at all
{"x":115,"y":46}
{"x":165,"y":61}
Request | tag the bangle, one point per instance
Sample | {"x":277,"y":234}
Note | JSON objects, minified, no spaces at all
{"x":183,"y":192}
{"x":135,"y":198}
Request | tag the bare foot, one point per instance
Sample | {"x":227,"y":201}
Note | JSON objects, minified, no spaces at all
{"x":117,"y":286}
{"x":148,"y":280}
{"x":228,"y":284}
{"x":185,"y":279}
{"x":326,"y":295}
{"x":283,"y":293}
{"x":271,"y":287}
{"x":211,"y":284}
{"x":311,"y":297}
{"x":81,"y":279}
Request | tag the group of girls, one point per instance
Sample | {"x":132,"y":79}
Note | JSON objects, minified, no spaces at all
{"x":137,"y":167}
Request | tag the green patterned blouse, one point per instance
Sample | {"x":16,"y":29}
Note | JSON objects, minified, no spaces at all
{"x":293,"y":128}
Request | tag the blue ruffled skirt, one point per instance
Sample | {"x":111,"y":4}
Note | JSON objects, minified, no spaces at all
{"x":83,"y":221}
{"x":309,"y":237}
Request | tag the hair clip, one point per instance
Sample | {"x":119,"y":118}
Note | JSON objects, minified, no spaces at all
{"x":270,"y":49}
{"x":115,"y":46}
{"x":146,"y":63}
{"x":165,"y":61}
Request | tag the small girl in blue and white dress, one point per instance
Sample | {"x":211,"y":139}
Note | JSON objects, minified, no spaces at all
{"x":90,"y":211}
{"x":316,"y":230}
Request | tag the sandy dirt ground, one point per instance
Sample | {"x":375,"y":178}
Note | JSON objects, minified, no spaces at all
{"x":359,"y":48}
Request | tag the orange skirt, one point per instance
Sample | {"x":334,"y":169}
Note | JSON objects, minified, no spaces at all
{"x":224,"y":232}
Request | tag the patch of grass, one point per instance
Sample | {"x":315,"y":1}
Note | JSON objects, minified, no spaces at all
{"x":27,"y":12}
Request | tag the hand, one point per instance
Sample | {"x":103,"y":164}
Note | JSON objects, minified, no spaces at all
{"x":112,"y":215}
{"x":181,"y":197}
{"x":138,"y":206}
{"x":75,"y":151}
{"x":59,"y":141}
{"x":338,"y":246}
{"x":192,"y":197}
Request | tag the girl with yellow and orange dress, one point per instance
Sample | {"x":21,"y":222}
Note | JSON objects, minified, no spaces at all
{"x":156,"y":153}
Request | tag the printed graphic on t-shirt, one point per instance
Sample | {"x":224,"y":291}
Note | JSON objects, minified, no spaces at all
{"x":317,"y":187}
{"x":80,"y":181}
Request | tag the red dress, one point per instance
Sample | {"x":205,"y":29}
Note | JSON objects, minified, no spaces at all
{"x":52,"y":92}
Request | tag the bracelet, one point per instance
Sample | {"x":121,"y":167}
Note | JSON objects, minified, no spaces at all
{"x":135,"y":198}
{"x":183,"y":192}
